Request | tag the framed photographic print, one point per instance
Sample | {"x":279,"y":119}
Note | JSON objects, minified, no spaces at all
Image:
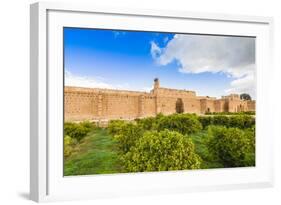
{"x":127,"y":102}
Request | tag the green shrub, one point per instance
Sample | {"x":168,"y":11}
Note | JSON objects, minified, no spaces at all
{"x":69,"y":146}
{"x":239,"y":121}
{"x":242,"y":121}
{"x":162,"y":151}
{"x":231,"y":113}
{"x":77,"y":130}
{"x":206,"y":121}
{"x":221,"y":120}
{"x":115,"y":126}
{"x":159,"y":115}
{"x":182,"y":123}
{"x":250,"y":112}
{"x":88,"y":125}
{"x":232,"y":147}
{"x":147,"y":123}
{"x":127,"y":136}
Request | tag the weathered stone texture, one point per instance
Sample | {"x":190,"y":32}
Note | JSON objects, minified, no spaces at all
{"x":105,"y":104}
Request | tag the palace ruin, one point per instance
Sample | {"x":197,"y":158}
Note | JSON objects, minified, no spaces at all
{"x":106,"y":104}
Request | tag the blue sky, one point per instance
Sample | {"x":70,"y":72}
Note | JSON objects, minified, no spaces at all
{"x":130,"y":60}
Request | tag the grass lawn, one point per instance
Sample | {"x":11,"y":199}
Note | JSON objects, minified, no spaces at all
{"x":96,"y":154}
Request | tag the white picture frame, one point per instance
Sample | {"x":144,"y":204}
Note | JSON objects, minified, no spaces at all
{"x":46,"y":177}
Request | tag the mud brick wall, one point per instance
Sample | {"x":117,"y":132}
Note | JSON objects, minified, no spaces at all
{"x":106,"y":104}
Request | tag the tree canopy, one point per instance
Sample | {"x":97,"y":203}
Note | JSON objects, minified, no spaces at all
{"x":245,"y":96}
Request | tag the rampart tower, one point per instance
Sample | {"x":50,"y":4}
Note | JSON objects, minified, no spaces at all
{"x":156,"y":83}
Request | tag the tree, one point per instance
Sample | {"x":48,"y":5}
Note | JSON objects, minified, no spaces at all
{"x":245,"y":96}
{"x":232,"y":147}
{"x":162,"y":151}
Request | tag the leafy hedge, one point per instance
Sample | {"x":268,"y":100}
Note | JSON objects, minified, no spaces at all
{"x":231,"y":113}
{"x":127,"y":136}
{"x":162,"y":151}
{"x":238,"y":121}
{"x":206,"y":121}
{"x":222,"y":120}
{"x":182,"y":123}
{"x":73,"y":134}
{"x":232,"y":147}
{"x":69,"y":146}
{"x":78,"y":130}
{"x":242,"y":121}
{"x":148,"y":123}
{"x":115,"y":126}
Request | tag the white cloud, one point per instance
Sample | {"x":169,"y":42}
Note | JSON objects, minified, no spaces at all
{"x":118,"y":33}
{"x":146,"y":89}
{"x":233,"y":56}
{"x":88,"y":81}
{"x":155,"y":50}
{"x":243,"y":85}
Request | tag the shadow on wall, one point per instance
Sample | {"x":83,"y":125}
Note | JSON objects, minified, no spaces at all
{"x":179,"y":106}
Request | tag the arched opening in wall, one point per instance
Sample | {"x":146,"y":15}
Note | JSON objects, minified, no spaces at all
{"x":179,"y":106}
{"x":208,"y":110}
{"x":226,"y":107}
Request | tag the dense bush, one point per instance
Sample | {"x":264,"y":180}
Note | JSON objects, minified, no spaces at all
{"x":162,"y":151}
{"x":242,"y":121}
{"x":69,"y":146}
{"x":249,"y":112}
{"x":221,"y":120}
{"x":205,"y":121}
{"x":115,"y":126}
{"x":147,"y":123}
{"x":232,"y":147}
{"x":88,"y":125}
{"x":127,"y":136}
{"x":182,"y":123}
{"x":231,"y":113}
{"x":78,"y":130}
{"x":239,"y":121}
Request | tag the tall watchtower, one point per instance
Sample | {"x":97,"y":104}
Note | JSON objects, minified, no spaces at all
{"x":156,"y":83}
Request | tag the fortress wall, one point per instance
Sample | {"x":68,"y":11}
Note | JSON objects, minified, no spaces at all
{"x":105,"y":104}
{"x":149,"y":106}
{"x":166,"y":105}
{"x":191,"y":105}
{"x":211,"y":105}
{"x":208,"y":105}
{"x":94,"y":104}
{"x":218,"y":105}
{"x":232,"y":106}
{"x":251,"y":105}
{"x":175,"y":93}
{"x":203,"y":105}
{"x":119,"y":106}
{"x":238,"y":106}
{"x":80,"y":106}
{"x":221,"y":106}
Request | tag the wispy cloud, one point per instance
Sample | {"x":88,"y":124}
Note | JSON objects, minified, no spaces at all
{"x":233,"y":56}
{"x":155,"y":51}
{"x":146,"y":89}
{"x":118,"y":33}
{"x":89,"y":82}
